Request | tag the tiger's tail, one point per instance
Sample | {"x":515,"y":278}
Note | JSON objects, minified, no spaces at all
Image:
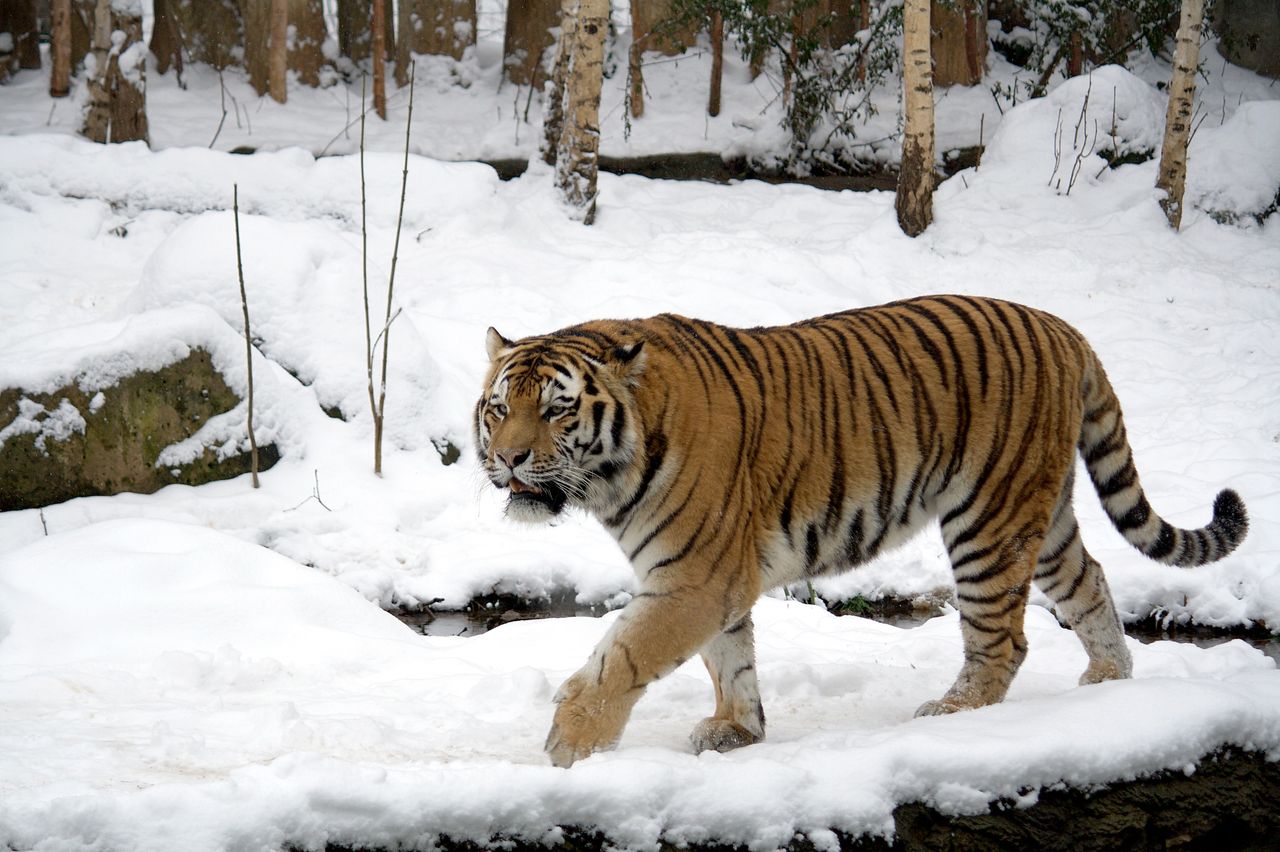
{"x":1109,"y":460}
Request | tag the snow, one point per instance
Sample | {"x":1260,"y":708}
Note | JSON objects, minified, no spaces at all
{"x":201,"y":668}
{"x":166,"y":685}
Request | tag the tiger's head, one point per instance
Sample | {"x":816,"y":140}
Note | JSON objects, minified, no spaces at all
{"x":556,"y":423}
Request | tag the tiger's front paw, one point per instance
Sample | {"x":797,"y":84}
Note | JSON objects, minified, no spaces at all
{"x":713,"y":734}
{"x":585,"y":722}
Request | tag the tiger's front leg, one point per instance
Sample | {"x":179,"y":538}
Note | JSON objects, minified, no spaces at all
{"x":656,"y":632}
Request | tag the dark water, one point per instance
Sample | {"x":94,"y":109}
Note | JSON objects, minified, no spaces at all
{"x":483,"y":617}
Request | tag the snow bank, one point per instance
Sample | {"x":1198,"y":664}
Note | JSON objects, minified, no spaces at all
{"x":170,"y":686}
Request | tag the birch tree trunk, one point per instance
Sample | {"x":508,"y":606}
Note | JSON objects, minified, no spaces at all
{"x":914,"y":202}
{"x":553,"y":112}
{"x":577,"y":156}
{"x":60,"y":48}
{"x":1172,"y":176}
{"x":117,"y":110}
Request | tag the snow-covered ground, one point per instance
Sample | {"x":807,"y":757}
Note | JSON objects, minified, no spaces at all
{"x":171,"y":675}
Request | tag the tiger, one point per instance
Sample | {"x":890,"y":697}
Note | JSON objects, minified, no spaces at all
{"x":726,"y":462}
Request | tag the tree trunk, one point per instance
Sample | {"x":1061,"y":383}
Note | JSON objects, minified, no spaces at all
{"x":379,"y":58}
{"x":914,"y":202}
{"x":959,"y":43}
{"x":717,"y":63}
{"x":576,"y":159}
{"x":528,"y":35}
{"x":278,"y":52}
{"x":117,"y":109}
{"x":257,"y":42}
{"x":647,"y":28}
{"x":306,"y":49}
{"x":166,"y":40}
{"x":1172,"y":176}
{"x":18,"y":19}
{"x":864,"y":22}
{"x":649,"y":34}
{"x":434,"y":27}
{"x":355,"y":29}
{"x":553,"y":112}
{"x":210,"y":30}
{"x":60,"y":48}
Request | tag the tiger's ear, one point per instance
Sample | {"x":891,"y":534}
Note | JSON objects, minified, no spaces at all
{"x":628,"y":358}
{"x":495,"y":343}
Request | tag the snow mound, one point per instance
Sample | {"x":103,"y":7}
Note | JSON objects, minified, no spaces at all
{"x":1233,"y":171}
{"x":1059,"y":139}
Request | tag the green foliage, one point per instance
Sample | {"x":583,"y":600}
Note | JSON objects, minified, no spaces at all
{"x":830,"y":85}
{"x":857,"y":605}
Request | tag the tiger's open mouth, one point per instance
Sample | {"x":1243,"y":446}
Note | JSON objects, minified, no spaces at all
{"x":548,"y":494}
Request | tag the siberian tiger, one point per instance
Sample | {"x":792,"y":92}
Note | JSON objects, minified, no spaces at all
{"x":729,"y":461}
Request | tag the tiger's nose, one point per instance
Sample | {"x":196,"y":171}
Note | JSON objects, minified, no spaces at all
{"x":512,"y":458}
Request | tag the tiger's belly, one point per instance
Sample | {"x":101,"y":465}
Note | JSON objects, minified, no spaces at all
{"x":814,"y":547}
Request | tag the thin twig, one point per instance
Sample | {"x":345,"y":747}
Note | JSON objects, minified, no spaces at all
{"x":223,"y":86}
{"x":391,"y":282}
{"x":364,"y":265}
{"x":44,"y":525}
{"x":248,"y":339}
{"x":315,"y":495}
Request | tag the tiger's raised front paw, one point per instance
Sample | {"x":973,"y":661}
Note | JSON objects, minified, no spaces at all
{"x":713,"y":734}
{"x":585,"y":722}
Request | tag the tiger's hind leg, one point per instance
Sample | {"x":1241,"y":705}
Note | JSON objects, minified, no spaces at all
{"x":739,"y":716}
{"x":1073,"y":580}
{"x":993,"y":550}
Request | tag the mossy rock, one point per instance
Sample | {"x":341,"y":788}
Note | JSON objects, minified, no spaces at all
{"x":91,"y":445}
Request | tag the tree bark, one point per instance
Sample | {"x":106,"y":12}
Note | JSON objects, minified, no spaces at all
{"x":166,"y":40}
{"x":306,"y":48}
{"x":278,"y":52}
{"x":117,"y":110}
{"x":435,"y":27}
{"x":553,"y":112}
{"x":717,"y":63}
{"x":527,"y":37}
{"x":18,"y":18}
{"x":60,"y":48}
{"x":959,"y":43}
{"x":257,"y":42}
{"x":1172,"y":176}
{"x":914,"y":202}
{"x":379,"y":58}
{"x":649,"y":34}
{"x":577,"y":158}
{"x":210,"y":30}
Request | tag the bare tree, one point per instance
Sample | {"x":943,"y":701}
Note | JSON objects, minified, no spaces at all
{"x":577,"y":157}
{"x":117,"y":110}
{"x":248,"y":336}
{"x":60,"y":48}
{"x":1172,"y":176}
{"x":914,"y":202}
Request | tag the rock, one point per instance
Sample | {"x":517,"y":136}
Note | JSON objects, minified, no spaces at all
{"x":77,"y":443}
